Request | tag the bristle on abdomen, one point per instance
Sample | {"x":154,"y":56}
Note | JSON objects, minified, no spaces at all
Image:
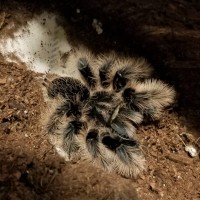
{"x":68,"y":87}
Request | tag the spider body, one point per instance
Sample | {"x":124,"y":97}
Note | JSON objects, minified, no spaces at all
{"x":96,"y":112}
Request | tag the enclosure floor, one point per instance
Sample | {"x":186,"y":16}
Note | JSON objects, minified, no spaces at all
{"x":29,"y":166}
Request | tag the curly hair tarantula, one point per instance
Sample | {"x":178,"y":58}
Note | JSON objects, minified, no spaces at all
{"x":95,"y":113}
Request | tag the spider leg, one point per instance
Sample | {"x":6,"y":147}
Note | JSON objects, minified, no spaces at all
{"x":62,"y":128}
{"x":55,"y":119}
{"x":87,"y":73}
{"x":104,"y":73}
{"x":65,"y":123}
{"x":70,"y":142}
{"x":67,"y":109}
{"x":92,"y":140}
{"x":109,"y":70}
{"x":113,"y":153}
{"x":120,"y":80}
{"x":93,"y":148}
{"x":130,"y":72}
{"x":128,"y":159}
{"x":118,"y":145}
{"x":149,"y":97}
{"x":119,"y":70}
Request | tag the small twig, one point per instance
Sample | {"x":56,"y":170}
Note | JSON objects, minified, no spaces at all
{"x":180,"y":159}
{"x":196,"y":142}
{"x":107,"y":196}
{"x":52,"y":179}
{"x":181,"y":139}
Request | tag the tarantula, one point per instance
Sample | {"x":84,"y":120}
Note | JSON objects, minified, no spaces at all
{"x":95,"y":113}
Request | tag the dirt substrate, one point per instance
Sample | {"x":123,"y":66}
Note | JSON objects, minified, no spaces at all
{"x":29,"y":166}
